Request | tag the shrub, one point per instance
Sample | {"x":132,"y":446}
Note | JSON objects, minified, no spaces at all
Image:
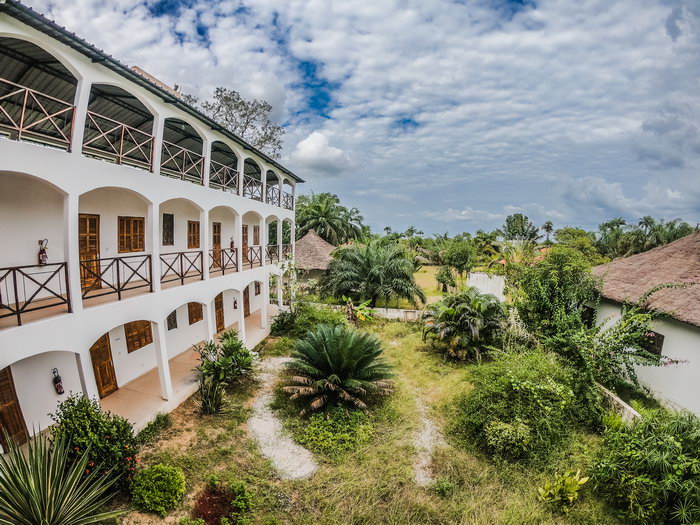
{"x":211,"y":395}
{"x":44,"y":485}
{"x":444,"y":488}
{"x":106,"y":439}
{"x":306,"y":317}
{"x":154,"y":428}
{"x":283,"y":323}
{"x":521,"y":406}
{"x":650,"y":470}
{"x":338,"y":364}
{"x":158,"y":489}
{"x":336,"y":432}
{"x":563,"y":491}
{"x":225,"y":361}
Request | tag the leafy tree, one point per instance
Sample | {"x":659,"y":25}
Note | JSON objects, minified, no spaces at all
{"x":616,"y":238}
{"x":332,"y":221}
{"x":548,"y":228}
{"x":371,"y":271}
{"x":486,"y":245}
{"x":445,"y":278}
{"x":519,"y":228}
{"x":338,"y":365}
{"x":581,"y":241}
{"x":460,"y":255}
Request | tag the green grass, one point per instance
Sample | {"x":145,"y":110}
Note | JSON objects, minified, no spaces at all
{"x":373,"y":483}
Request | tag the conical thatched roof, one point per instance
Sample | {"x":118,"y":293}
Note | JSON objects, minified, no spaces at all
{"x":629,"y":278}
{"x":312,"y":252}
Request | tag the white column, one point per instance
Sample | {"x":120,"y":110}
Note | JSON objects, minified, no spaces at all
{"x":204,"y":241}
{"x":238,"y":240}
{"x":153,"y":239}
{"x":82,"y":97}
{"x":265,"y":289}
{"x":241,"y":173}
{"x":206,"y":151}
{"x":280,"y":185}
{"x":209,"y":321}
{"x":241,"y":320}
{"x":280,"y":297}
{"x":263,"y":240}
{"x":87,"y":375}
{"x":280,"y":241}
{"x":71,"y":249}
{"x":263,"y":181}
{"x":161,"y":347}
{"x":158,"y":127}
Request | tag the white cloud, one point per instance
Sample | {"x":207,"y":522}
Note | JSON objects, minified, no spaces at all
{"x":316,"y":153}
{"x":465,"y":214}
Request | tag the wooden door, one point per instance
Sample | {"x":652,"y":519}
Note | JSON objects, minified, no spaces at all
{"x":216,"y":244}
{"x":89,"y":241}
{"x":245,"y":243}
{"x":246,"y":301}
{"x":11,"y":418}
{"x":219,"y":309}
{"x":103,"y":366}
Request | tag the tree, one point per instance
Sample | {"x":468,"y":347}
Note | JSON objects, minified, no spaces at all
{"x":371,"y":271}
{"x":249,"y":119}
{"x":581,"y":241}
{"x":445,"y":278}
{"x":548,"y":228}
{"x":460,"y":255}
{"x":323,"y":213}
{"x":519,"y":228}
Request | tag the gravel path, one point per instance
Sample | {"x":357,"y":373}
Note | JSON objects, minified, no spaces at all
{"x":291,"y":460}
{"x":427,"y":438}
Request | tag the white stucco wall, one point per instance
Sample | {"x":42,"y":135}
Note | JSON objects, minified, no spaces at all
{"x":185,"y":335}
{"x":677,"y":386}
{"x":129,"y":366}
{"x":183,"y":212}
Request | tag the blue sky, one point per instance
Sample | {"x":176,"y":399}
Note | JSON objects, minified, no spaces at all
{"x":446,"y":115}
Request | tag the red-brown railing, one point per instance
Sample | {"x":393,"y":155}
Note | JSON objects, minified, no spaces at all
{"x":286,"y":251}
{"x":29,"y":288}
{"x":115,"y":275}
{"x":273,"y":253}
{"x":273,"y":195}
{"x":254,"y":257}
{"x":112,"y":140}
{"x":223,"y":177}
{"x":222,"y":259}
{"x":182,"y":163}
{"x":178,"y":266}
{"x":252,"y":188}
{"x":287,"y":200}
{"x":27,"y":114}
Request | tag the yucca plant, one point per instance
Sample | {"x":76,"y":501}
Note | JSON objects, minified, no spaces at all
{"x":43,"y":486}
{"x":338,"y":365}
{"x":211,"y":395}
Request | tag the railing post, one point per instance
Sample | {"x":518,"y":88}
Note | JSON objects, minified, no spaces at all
{"x":182,"y":270}
{"x":68,"y":297}
{"x":14,"y":286}
{"x":121,"y":144}
{"x":119,"y":279}
{"x":202,"y":258}
{"x":150,"y":270}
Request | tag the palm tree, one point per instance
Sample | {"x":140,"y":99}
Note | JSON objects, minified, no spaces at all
{"x":465,"y":322}
{"x":322,"y":212}
{"x":338,"y":364}
{"x":372,"y":271}
{"x":548,"y":228}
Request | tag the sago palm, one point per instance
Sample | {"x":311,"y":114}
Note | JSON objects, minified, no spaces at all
{"x":42,"y":487}
{"x":338,"y":365}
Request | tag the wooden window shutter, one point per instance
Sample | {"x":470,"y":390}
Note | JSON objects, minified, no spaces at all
{"x":192,"y":235}
{"x":132,"y":234}
{"x":256,"y":235}
{"x":195,"y":312}
{"x":138,"y":334}
{"x":168,"y":229}
{"x":172,"y":320}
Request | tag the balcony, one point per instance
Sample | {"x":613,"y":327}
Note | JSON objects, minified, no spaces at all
{"x":181,"y":267}
{"x":223,"y":260}
{"x":114,"y":141}
{"x":286,"y":251}
{"x":287,"y":200}
{"x":252,"y":258}
{"x":252,"y":188}
{"x":272,"y":253}
{"x":273,"y":196}
{"x":222,"y":177}
{"x":123,"y":276}
{"x":182,"y":163}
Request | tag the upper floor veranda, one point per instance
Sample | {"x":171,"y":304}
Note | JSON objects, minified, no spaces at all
{"x":58,"y":91}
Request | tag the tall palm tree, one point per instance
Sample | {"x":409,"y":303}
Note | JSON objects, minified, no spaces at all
{"x":370,"y":272}
{"x":332,"y":221}
{"x":548,"y":228}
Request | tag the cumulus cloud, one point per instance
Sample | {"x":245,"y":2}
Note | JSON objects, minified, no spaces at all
{"x":316,"y":153}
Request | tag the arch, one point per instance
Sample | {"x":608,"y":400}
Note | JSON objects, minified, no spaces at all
{"x":36,"y":178}
{"x":183,"y":199}
{"x":287,"y":194}
{"x":38,"y":93}
{"x":223,"y":167}
{"x":224,"y":227}
{"x":272,"y":193}
{"x":182,"y":155}
{"x":252,"y":180}
{"x":118,"y":188}
{"x":180,"y":334}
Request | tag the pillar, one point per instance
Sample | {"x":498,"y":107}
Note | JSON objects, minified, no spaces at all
{"x":241,"y":320}
{"x":265,"y":290}
{"x":158,"y":129}
{"x":71,"y":249}
{"x":87,"y":376}
{"x":166,"y":384}
{"x":153,"y":239}
{"x":209,"y":321}
{"x":206,"y":152}
{"x":204,"y":242}
{"x":279,"y":238}
{"x":280,"y":296}
{"x":241,"y":174}
{"x":82,"y":97}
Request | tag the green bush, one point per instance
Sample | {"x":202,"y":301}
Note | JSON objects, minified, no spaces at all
{"x":283,"y":323}
{"x":444,"y":488}
{"x":154,"y":428}
{"x":107,"y":439}
{"x":563,"y":491}
{"x":242,"y":500}
{"x":305,"y":318}
{"x":226,"y":360}
{"x":521,"y":406}
{"x":650,"y":470}
{"x":335,"y":432}
{"x":211,"y":395}
{"x":158,"y":488}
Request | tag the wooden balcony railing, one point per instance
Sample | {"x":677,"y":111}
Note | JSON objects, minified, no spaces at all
{"x":178,"y":266}
{"x":272,"y":252}
{"x":252,"y":188}
{"x":287,"y":200}
{"x":25,"y":289}
{"x":221,"y":260}
{"x":254,"y":257}
{"x":182,"y":163}
{"x":273,"y":195}
{"x":27,"y":114}
{"x":286,"y":251}
{"x":222,"y":177}
{"x":114,"y":141}
{"x":115,"y":275}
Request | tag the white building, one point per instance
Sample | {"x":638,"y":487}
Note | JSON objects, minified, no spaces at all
{"x":157,"y":220}
{"x":677,"y":333}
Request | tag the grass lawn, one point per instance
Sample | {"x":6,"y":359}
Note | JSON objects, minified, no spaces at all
{"x":374,"y":483}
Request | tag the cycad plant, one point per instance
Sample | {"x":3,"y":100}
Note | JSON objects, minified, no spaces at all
{"x":43,"y":486}
{"x":338,"y":365}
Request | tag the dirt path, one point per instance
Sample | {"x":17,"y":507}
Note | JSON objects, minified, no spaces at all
{"x":427,"y":438}
{"x":291,"y":460}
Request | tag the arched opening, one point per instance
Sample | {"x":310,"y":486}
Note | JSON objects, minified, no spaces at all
{"x":273,"y":188}
{"x":257,"y":311}
{"x":223,"y":254}
{"x":181,"y":248}
{"x":252,"y":237}
{"x":33,"y":277}
{"x":118,"y":127}
{"x":223,"y":168}
{"x":287,"y":195}
{"x":252,"y":180}
{"x":272,"y":250}
{"x":185,"y":327}
{"x":113,"y":245}
{"x":287,"y":236}
{"x":182,"y":156}
{"x":36,"y":94}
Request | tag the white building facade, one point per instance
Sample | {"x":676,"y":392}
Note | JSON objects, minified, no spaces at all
{"x":132,"y":228}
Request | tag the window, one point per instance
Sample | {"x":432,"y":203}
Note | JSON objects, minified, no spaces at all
{"x":655,"y":342}
{"x":172,"y":320}
{"x":168,"y":229}
{"x":138,"y":334}
{"x":194,"y":311}
{"x":131,"y":234}
{"x":257,"y":288}
{"x":256,"y":235}
{"x":192,"y":234}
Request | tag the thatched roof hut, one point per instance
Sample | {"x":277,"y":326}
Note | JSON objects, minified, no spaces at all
{"x":627,"y":279}
{"x":312,"y":252}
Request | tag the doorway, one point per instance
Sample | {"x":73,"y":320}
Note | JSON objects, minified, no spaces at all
{"x":11,"y":418}
{"x":246,"y":301}
{"x":216,"y":244}
{"x":219,"y":310}
{"x":245,"y":244}
{"x":103,"y":366}
{"x":89,"y":243}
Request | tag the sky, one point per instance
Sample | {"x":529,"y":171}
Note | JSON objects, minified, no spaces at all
{"x":446,"y":115}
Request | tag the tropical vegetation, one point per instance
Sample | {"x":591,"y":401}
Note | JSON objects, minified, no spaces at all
{"x":158,"y":488}
{"x":332,"y":221}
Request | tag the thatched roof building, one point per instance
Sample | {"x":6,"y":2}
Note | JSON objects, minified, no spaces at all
{"x":312,"y":252}
{"x":627,"y":279}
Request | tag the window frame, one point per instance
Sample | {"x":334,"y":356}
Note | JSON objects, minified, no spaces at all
{"x":124,"y":238}
{"x":137,"y":334}
{"x":193,"y":235}
{"x":195,"y":312}
{"x":171,"y":320}
{"x":168,"y":233}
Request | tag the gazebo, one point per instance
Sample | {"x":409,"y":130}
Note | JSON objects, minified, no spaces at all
{"x":313,"y":255}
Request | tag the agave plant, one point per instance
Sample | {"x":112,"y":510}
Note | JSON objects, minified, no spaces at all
{"x":338,"y":365}
{"x":42,"y":486}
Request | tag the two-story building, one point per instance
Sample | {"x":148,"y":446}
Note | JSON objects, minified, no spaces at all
{"x":132,"y":227}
